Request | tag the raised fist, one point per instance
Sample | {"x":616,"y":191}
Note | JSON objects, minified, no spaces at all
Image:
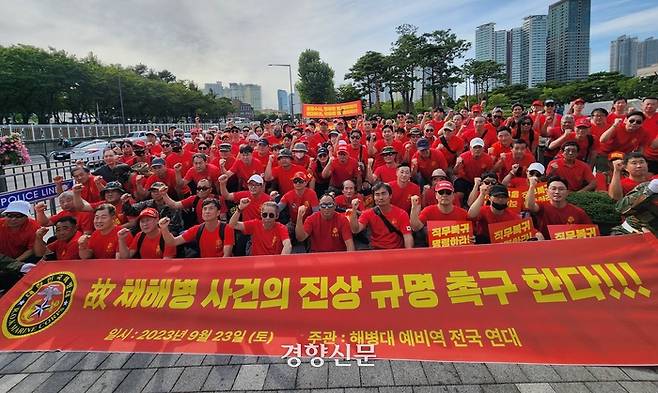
{"x":222,"y":162}
{"x":274,"y":194}
{"x":139,"y":178}
{"x":164,"y":222}
{"x":371,"y":161}
{"x":477,"y":181}
{"x":125,"y":198}
{"x":515,"y":167}
{"x":58,"y":180}
{"x":355,"y":203}
{"x":415,"y":200}
{"x":618,"y":165}
{"x":617,"y":121}
{"x":459,"y":161}
{"x":178,"y":167}
{"x":244,"y":202}
{"x":223,"y":179}
{"x":163,"y":189}
{"x":301,"y":211}
{"x":77,"y":188}
{"x":83,"y":241}
{"x":41,"y":232}
{"x":503,"y":156}
{"x":484,"y":188}
{"x":40,"y":207}
{"x":533,"y":181}
{"x":123,"y":233}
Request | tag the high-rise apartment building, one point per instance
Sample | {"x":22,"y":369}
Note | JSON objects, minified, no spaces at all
{"x":567,"y":51}
{"x":534,"y":49}
{"x":628,"y":54}
{"x":247,"y":93}
{"x":283,"y":101}
{"x":484,"y":42}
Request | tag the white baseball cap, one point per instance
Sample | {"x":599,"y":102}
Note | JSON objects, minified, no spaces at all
{"x":477,"y":142}
{"x":257,"y":179}
{"x":536,"y":166}
{"x":653,"y":186}
{"x":21,"y":207}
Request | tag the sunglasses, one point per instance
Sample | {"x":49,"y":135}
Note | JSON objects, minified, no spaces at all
{"x":444,"y":192}
{"x":203,"y":188}
{"x":268,"y":215}
{"x":526,"y":124}
{"x":535,"y":174}
{"x":490,"y":182}
{"x":202,"y":148}
{"x":165,"y":145}
{"x":355,"y":136}
{"x":14,"y":215}
{"x":298,"y":181}
{"x":636,"y":121}
{"x":327,"y":205}
{"x":388,"y":154}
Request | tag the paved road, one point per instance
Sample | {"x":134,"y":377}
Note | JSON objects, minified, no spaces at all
{"x":125,"y":372}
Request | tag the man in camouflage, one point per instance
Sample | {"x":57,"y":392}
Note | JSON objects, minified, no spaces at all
{"x":640,"y":207}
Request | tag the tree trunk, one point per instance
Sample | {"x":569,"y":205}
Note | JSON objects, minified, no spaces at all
{"x":390,"y":94}
{"x":422,"y":89}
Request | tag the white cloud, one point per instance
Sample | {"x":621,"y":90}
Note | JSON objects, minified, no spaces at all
{"x":636,"y":22}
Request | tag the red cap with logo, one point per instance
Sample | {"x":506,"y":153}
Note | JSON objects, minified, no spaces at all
{"x":538,"y":102}
{"x":444,"y":185}
{"x":149,"y":212}
{"x":299,"y":175}
{"x":583,"y":122}
{"x":342,"y":149}
{"x":476,"y":108}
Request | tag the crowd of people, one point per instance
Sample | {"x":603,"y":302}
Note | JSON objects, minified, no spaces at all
{"x":335,"y":185}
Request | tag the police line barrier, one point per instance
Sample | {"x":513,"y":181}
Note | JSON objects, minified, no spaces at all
{"x":586,"y":301}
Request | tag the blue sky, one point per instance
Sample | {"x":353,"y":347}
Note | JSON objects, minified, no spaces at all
{"x":233,"y":41}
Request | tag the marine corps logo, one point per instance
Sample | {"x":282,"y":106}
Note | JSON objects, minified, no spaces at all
{"x":40,"y":306}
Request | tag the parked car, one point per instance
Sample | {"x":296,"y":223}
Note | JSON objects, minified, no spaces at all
{"x":64,"y":154}
{"x":133,"y":136}
{"x":90,"y":153}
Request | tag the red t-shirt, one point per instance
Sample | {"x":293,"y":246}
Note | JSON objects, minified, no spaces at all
{"x":85,"y":219}
{"x":252,"y":211}
{"x":120,"y":217}
{"x":455,"y":143}
{"x":327,"y":235}
{"x":577,"y":175}
{"x":550,"y":215}
{"x":184,"y":158}
{"x":427,"y":165}
{"x":380,"y":144}
{"x":380,"y":235}
{"x":651,"y":126}
{"x":90,"y":191}
{"x":210,"y":243}
{"x":264,"y":241}
{"x":308,"y":198}
{"x":585,"y":148}
{"x":626,"y":142}
{"x":284,"y":176}
{"x":386,"y":174}
{"x":354,"y":152}
{"x":106,"y":246}
{"x":198,"y":209}
{"x":14,"y":242}
{"x":437,"y":125}
{"x":244,"y":171}
{"x":628,"y":184}
{"x":509,"y":160}
{"x":318,"y":139}
{"x":66,"y":251}
{"x":169,"y":179}
{"x":498,"y":149}
{"x":473,"y":167}
{"x":487,"y":217}
{"x":401,"y":197}
{"x":211,"y":173}
{"x":433,"y":213}
{"x":342,"y":202}
{"x":151,"y":247}
{"x":343,"y":171}
{"x":489,"y":136}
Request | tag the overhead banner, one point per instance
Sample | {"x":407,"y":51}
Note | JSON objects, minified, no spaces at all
{"x":584,"y":301}
{"x":323,"y":111}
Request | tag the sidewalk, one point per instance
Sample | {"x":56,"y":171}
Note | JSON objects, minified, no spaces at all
{"x":117,"y":372}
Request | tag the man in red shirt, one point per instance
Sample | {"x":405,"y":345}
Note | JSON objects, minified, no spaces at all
{"x":629,"y":136}
{"x":389,"y":225}
{"x":245,"y":166}
{"x":328,"y":231}
{"x":443,"y":210}
{"x":495,"y":212}
{"x":342,"y":168}
{"x":320,"y":137}
{"x":344,"y":200}
{"x":357,"y":149}
{"x":577,"y":173}
{"x":520,"y":158}
{"x":403,"y":189}
{"x":470,"y":165}
{"x":284,"y":172}
{"x":17,"y":236}
{"x":649,"y":106}
{"x":557,"y":211}
{"x":504,"y":144}
{"x":178,"y":156}
{"x":449,"y":143}
{"x":268,"y":237}
{"x":147,"y":244}
{"x":637,"y":169}
{"x":84,"y":221}
{"x":385,"y":173}
{"x":212,"y":238}
{"x":588,"y":145}
{"x":91,"y":184}
{"x":103,"y":242}
{"x":425,"y":161}
{"x":65,"y":247}
{"x":164,"y":175}
{"x":481,"y":129}
{"x":200,"y":170}
{"x":299,"y":196}
{"x":388,"y":142}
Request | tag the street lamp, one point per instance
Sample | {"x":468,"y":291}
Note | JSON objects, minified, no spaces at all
{"x":292,"y":112}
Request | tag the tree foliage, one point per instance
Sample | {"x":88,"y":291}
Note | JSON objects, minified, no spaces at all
{"x":484,"y":74}
{"x":46,"y":83}
{"x":347,"y":92}
{"x":316,"y":83}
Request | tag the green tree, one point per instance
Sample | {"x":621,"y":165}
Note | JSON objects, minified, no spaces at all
{"x":439,"y":51}
{"x":316,"y":84}
{"x":405,"y":59}
{"x":347,"y":92}
{"x":368,"y":75}
{"x":483,"y":73}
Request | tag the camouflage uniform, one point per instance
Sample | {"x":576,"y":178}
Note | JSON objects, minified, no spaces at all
{"x":640,"y":207}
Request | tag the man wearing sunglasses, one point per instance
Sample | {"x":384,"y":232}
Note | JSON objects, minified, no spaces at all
{"x":389,"y":225}
{"x":268,"y":237}
{"x":577,"y":173}
{"x":385,"y":173}
{"x":357,"y":149}
{"x":341,"y":168}
{"x":493,"y":213}
{"x":443,"y":209}
{"x":17,"y":237}
{"x":193,"y":204}
{"x":178,"y":156}
{"x":328,"y":231}
{"x":284,"y":173}
{"x":627,"y":135}
{"x":299,"y":196}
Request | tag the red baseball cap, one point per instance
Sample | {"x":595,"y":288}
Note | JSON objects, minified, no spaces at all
{"x":139,"y":143}
{"x":149,"y":212}
{"x":444,"y":185}
{"x":579,"y":101}
{"x":342,"y":148}
{"x":615,"y":155}
{"x":538,"y":102}
{"x":476,"y":108}
{"x":299,"y":175}
{"x":583,"y":122}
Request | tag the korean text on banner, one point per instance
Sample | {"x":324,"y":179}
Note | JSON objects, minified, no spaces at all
{"x":573,"y":231}
{"x":513,"y":231}
{"x":449,"y":233}
{"x":586,"y":301}
{"x":323,"y":111}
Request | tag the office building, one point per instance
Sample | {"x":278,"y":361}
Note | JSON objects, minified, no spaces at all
{"x":246,"y":93}
{"x":533,"y":50}
{"x":628,"y":54}
{"x":567,"y":51}
{"x":283,"y":100}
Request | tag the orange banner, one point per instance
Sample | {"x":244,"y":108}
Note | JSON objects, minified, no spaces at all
{"x":573,"y":231}
{"x":517,"y":196}
{"x":449,"y":233}
{"x":513,"y":231}
{"x":588,"y":301}
{"x":323,"y":111}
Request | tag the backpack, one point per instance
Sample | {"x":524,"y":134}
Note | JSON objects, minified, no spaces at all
{"x":194,"y":250}
{"x":140,"y":240}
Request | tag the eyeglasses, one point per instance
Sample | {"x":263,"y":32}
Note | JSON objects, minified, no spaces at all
{"x":327,"y":205}
{"x":355,"y":136}
{"x":202,"y":148}
{"x":268,"y":215}
{"x":14,"y":215}
{"x":203,"y":188}
{"x":140,"y":152}
{"x":634,"y":121}
{"x":444,"y":192}
{"x":490,"y":182}
{"x":388,"y":154}
{"x":298,"y":181}
{"x":570,"y":151}
{"x":535,"y":174}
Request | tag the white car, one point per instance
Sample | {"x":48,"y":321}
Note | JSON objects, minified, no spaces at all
{"x":89,"y":153}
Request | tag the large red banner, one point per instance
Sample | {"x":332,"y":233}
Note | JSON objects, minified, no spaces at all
{"x":585,"y":301}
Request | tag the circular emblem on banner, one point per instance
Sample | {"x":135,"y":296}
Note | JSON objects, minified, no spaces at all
{"x":39,"y":307}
